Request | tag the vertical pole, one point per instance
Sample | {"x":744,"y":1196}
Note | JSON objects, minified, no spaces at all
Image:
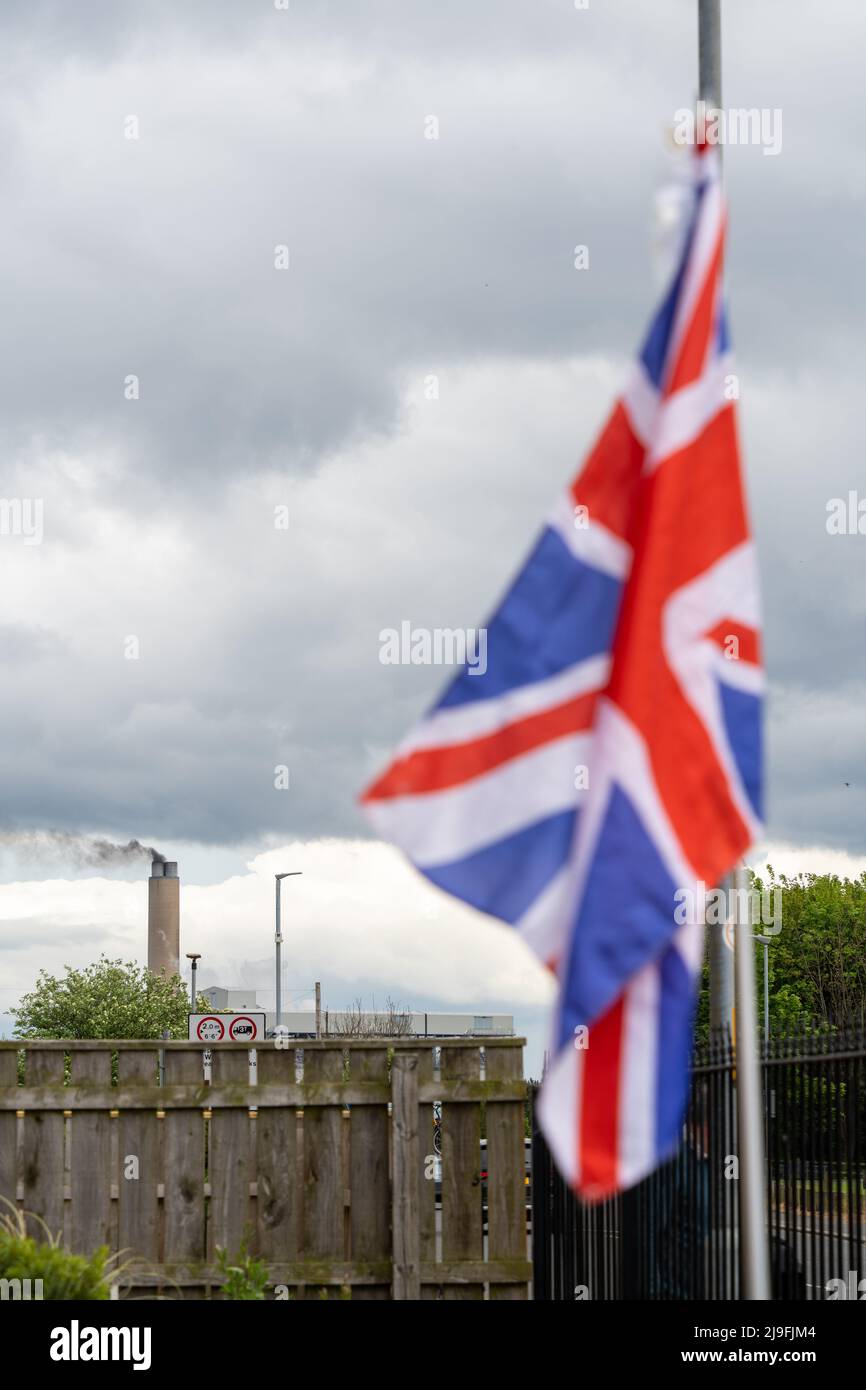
{"x":766,"y":990}
{"x":192,"y":990}
{"x":721,"y":955}
{"x":710,"y":52}
{"x":318,"y":1009}
{"x":278,"y":939}
{"x":755,"y":1260}
{"x":720,"y":934}
{"x":405,"y":1208}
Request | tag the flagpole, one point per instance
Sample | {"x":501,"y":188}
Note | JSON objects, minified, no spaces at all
{"x":755,"y":1261}
{"x":721,"y":954}
{"x":732,"y":974}
{"x":710,"y":52}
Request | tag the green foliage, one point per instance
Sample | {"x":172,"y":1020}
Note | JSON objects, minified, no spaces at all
{"x":110,"y":999}
{"x":817,"y":962}
{"x":64,"y":1276}
{"x":246,"y":1279}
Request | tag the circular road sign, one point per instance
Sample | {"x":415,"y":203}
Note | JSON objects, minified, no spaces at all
{"x":242,"y":1029}
{"x":210,"y":1029}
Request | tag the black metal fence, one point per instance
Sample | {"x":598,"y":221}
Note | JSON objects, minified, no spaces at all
{"x":676,"y":1235}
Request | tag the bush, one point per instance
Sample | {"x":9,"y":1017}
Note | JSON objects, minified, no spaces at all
{"x":64,"y":1276}
{"x":246,"y":1279}
{"x":109,"y":999}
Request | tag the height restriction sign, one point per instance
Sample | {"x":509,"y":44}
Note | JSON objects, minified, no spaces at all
{"x":214,"y":1028}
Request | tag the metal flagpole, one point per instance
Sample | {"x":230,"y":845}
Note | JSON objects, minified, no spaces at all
{"x":719,"y":935}
{"x":710,"y":52}
{"x":732,"y":975}
{"x":755,"y":1260}
{"x":721,"y":954}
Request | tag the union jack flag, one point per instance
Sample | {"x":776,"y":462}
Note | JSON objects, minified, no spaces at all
{"x":610,"y":754}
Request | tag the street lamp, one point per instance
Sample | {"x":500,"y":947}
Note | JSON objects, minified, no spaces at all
{"x":765,"y":942}
{"x":193,"y":996}
{"x":278,"y":941}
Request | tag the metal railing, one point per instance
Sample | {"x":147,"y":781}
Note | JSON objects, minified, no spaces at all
{"x":676,"y":1235}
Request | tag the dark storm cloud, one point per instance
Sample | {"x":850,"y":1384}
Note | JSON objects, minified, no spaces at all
{"x":154,"y":257}
{"x":258,"y":387}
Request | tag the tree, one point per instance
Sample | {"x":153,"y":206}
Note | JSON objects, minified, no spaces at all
{"x":817,"y":962}
{"x":110,"y":999}
{"x":356,"y":1022}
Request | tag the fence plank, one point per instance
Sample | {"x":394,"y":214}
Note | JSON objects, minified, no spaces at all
{"x":369,"y":1184}
{"x":42,"y":1148}
{"x":276,"y":1163}
{"x":229,"y":1225}
{"x":506,"y":1179}
{"x":406,"y":1222}
{"x":184,"y":1164}
{"x":323,"y":1194}
{"x":428,"y":1162}
{"x":139,"y":1138}
{"x":462,"y":1237}
{"x":8,"y":1133}
{"x":89,"y":1222}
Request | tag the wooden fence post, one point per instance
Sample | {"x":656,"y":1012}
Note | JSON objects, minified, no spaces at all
{"x":406,"y":1214}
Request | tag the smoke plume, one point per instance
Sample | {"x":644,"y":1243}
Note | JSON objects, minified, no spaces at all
{"x":84,"y":851}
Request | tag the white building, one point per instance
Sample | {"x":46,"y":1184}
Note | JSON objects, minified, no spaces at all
{"x":343,"y":1023}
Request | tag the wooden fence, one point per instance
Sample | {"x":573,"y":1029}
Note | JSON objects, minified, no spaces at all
{"x":323,"y":1168}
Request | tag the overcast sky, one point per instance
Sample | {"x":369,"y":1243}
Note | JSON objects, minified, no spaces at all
{"x":307,"y":388}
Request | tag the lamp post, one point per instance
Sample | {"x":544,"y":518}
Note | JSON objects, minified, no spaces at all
{"x":765,"y":942}
{"x":193,"y":994}
{"x":278,"y":941}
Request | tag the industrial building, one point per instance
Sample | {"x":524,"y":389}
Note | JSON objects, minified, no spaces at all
{"x":340,"y":1023}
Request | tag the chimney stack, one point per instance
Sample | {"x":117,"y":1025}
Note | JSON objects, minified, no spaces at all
{"x":163,"y":918}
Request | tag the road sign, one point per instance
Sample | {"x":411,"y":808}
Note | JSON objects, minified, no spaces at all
{"x":215,"y":1028}
{"x":206,"y":1028}
{"x":246,"y":1027}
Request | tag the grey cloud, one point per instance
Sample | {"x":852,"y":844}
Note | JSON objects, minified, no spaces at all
{"x":155,"y":257}
{"x":257,"y":386}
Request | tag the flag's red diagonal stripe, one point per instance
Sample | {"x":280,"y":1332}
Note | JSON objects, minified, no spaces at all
{"x":748,"y":641}
{"x":598,"y":1119}
{"x":692,"y":514}
{"x":434,"y":769}
{"x":692,"y":784}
